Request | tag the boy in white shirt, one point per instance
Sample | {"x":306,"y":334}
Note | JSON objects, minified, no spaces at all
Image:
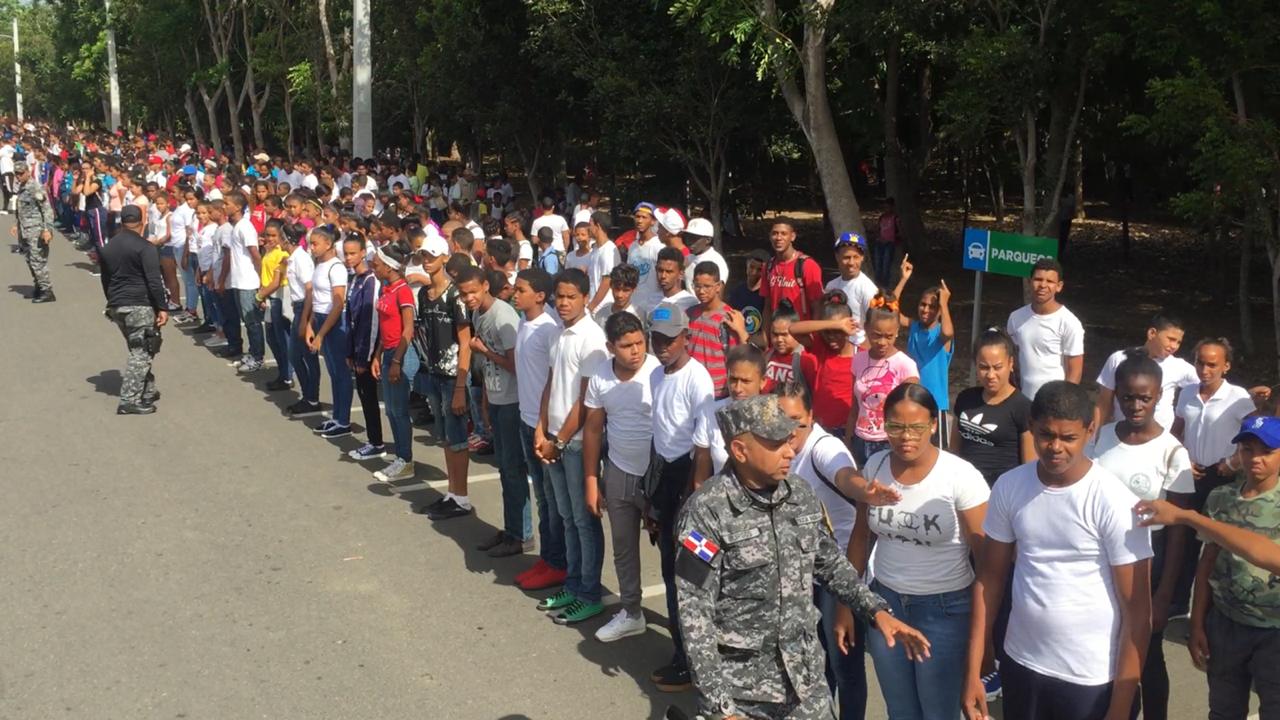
{"x":623,"y":280}
{"x":859,"y":290}
{"x":698,"y":236}
{"x":1050,"y":338}
{"x":1080,"y":599}
{"x":1164,"y":337}
{"x":670,"y":273}
{"x":604,"y":258}
{"x":581,"y":255}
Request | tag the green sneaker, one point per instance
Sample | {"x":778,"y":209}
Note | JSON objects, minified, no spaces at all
{"x":578,"y":612}
{"x":560,"y":600}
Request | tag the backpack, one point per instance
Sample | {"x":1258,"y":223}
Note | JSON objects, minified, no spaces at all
{"x":798,"y":268}
{"x":541,"y":262}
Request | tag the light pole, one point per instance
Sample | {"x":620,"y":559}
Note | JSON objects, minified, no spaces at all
{"x":17,"y":70}
{"x":113,"y":80}
{"x":361,"y":71}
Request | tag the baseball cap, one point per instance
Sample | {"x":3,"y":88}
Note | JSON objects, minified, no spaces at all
{"x":262,"y":157}
{"x":853,"y":239}
{"x":644,"y":206}
{"x":1265,"y":429}
{"x":186,"y":148}
{"x":700,"y":226}
{"x":671,"y":220}
{"x":668,"y":319}
{"x":434,"y":245}
{"x":155,"y":160}
{"x":188,"y":169}
{"x":130,"y":214}
{"x":759,"y":415}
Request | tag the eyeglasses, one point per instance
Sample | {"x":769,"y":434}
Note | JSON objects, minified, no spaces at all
{"x":893,"y":429}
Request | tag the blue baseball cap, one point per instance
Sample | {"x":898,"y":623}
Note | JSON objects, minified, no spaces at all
{"x":854,"y":239}
{"x":1265,"y":429}
{"x":644,"y":206}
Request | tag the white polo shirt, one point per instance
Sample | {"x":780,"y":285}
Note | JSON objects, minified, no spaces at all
{"x":1209,"y":425}
{"x":575,"y":356}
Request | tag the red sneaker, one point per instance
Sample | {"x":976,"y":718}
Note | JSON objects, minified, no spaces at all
{"x":538,"y":567}
{"x":548,"y":578}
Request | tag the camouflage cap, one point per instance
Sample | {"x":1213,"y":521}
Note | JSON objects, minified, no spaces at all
{"x":760,"y":415}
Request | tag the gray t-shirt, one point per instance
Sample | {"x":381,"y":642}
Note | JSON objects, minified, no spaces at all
{"x":497,"y":328}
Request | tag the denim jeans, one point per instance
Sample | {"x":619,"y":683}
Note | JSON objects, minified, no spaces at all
{"x":229,"y":306}
{"x":334,"y":346}
{"x":846,"y":674}
{"x":212,"y":311}
{"x":396,"y":398}
{"x":929,"y":689}
{"x":190,"y":291}
{"x":550,"y":526}
{"x":515,"y":486}
{"x":450,"y":429}
{"x":583,"y":533}
{"x":251,"y":316}
{"x":477,"y":413}
{"x":278,"y":338}
{"x":863,"y":449}
{"x":305,"y":364}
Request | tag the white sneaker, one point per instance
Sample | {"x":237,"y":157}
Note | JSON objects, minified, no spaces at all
{"x":249,"y":365}
{"x":620,"y":626}
{"x":398,"y":470}
{"x":215,"y":341}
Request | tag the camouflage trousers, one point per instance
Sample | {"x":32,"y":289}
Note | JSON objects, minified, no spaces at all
{"x":820,"y":710}
{"x":133,"y":321}
{"x":37,"y":254}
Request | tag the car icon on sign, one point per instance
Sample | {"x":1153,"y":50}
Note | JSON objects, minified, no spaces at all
{"x":977,"y":251}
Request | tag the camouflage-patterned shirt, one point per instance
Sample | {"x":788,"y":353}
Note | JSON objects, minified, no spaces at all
{"x":34,"y":213}
{"x":1243,"y":592}
{"x":745,"y":571}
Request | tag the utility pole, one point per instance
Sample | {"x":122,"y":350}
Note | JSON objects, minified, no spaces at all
{"x":113,"y":79}
{"x":17,"y":69}
{"x":361,"y":71}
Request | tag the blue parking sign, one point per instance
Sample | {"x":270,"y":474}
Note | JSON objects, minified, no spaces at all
{"x":977,"y":244}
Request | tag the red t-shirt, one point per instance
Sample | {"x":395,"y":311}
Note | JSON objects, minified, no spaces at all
{"x":781,"y":368}
{"x":707,"y":344}
{"x":258,"y":216}
{"x":832,"y":388}
{"x":394,"y":297}
{"x":781,"y":284}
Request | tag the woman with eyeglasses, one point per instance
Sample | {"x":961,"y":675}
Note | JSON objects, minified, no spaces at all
{"x":921,"y":563}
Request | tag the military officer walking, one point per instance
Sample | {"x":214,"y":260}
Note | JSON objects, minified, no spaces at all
{"x":753,"y":541}
{"x":34,"y":230}
{"x":136,"y":303}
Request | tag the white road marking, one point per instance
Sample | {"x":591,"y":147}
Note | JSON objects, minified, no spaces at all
{"x":440,"y":484}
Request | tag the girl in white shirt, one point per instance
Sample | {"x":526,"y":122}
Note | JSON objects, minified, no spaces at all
{"x":306,"y":364}
{"x":921,"y":561}
{"x":325,"y":326}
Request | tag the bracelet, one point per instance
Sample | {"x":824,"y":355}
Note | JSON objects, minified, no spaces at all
{"x":395,"y":361}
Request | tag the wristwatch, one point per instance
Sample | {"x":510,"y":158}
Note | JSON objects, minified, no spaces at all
{"x":560,"y":444}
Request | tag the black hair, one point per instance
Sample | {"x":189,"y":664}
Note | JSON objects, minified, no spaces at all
{"x":620,"y":324}
{"x":1165,"y":321}
{"x":463,"y":238}
{"x":706,"y":267}
{"x":624,"y":275}
{"x":670,"y":254}
{"x":883,"y":312}
{"x":575,"y":277}
{"x":325,"y":231}
{"x":397,"y":251}
{"x":470,"y":273}
{"x":992,"y":337}
{"x":354,"y":236}
{"x":1061,"y":400}
{"x":914,"y":392}
{"x":500,"y":250}
{"x":601,"y":218}
{"x":781,"y":220}
{"x":1228,"y":352}
{"x":795,"y":388}
{"x":540,"y":281}
{"x":456,"y":206}
{"x":1137,"y":363}
{"x":833,"y":309}
{"x":491,"y":226}
{"x":747,"y":353}
{"x":581,"y":226}
{"x":456,"y":264}
{"x":497,"y":280}
{"x":1047,"y":264}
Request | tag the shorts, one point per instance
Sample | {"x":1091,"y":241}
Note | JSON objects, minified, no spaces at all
{"x":168,"y":252}
{"x":449,"y":428}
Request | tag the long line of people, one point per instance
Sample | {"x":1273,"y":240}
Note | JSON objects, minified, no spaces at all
{"x":999,"y":522}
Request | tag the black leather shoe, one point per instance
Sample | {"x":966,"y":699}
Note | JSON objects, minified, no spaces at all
{"x":150,"y":399}
{"x":277,"y":385}
{"x":44,"y":298}
{"x":202,"y":329}
{"x":131,"y":409}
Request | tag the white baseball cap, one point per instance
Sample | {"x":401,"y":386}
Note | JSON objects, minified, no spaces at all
{"x":434,"y":245}
{"x":700,"y":226}
{"x":671,"y":220}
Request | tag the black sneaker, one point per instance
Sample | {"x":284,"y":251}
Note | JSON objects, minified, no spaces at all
{"x":227,"y":352}
{"x":278,"y":385}
{"x":204,"y":328}
{"x":509,"y":547}
{"x":448,"y":510}
{"x":424,"y":418}
{"x":303,"y":407}
{"x":336,"y":431}
{"x":427,"y":509}
{"x":135,"y":409}
{"x":492,"y":542}
{"x":45,"y":298}
{"x":672,"y":679}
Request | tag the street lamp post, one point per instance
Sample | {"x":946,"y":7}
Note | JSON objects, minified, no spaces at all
{"x":361,"y":71}
{"x":17,"y":70}
{"x":113,"y":79}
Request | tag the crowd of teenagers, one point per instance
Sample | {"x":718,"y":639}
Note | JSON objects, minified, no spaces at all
{"x":1041,"y":539}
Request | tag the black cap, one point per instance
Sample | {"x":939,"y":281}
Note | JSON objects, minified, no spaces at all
{"x":131,"y":214}
{"x":758,"y":254}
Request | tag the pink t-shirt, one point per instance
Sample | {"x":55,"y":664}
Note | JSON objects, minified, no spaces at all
{"x":873,"y":380}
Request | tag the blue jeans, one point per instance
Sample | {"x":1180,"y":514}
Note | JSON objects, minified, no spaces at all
{"x":278,"y":338}
{"x":929,"y":689}
{"x":251,"y":316}
{"x":334,"y":346}
{"x":305,"y":364}
{"x":583,"y":533}
{"x":515,"y":486}
{"x":477,"y":412}
{"x":863,"y":449}
{"x":396,"y":398}
{"x":229,"y":306}
{"x":550,"y":526}
{"x":449,"y":428}
{"x":846,"y":674}
{"x":190,"y":290}
{"x":212,"y":313}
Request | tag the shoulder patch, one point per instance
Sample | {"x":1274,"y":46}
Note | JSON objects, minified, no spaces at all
{"x":699,"y":546}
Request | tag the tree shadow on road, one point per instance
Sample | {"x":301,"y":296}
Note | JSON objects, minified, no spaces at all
{"x":106,"y":382}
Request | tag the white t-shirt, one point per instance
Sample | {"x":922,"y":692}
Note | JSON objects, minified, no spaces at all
{"x":1175,"y":373}
{"x":298,"y":273}
{"x":6,"y":158}
{"x":678,"y":399}
{"x":711,"y":255}
{"x":644,"y":258}
{"x":557,"y":224}
{"x":706,"y":434}
{"x":329,"y":274}
{"x":583,"y":263}
{"x":575,"y":357}
{"x":1150,"y":470}
{"x":206,"y":253}
{"x":628,"y":406}
{"x":603,"y":312}
{"x":858,"y":292}
{"x":310,"y":181}
{"x":534,"y":339}
{"x":603,"y":260}
{"x":222,"y":242}
{"x":525,"y":251}
{"x":826,"y":454}
{"x":920,"y":547}
{"x":243,"y":274}
{"x":683,"y":300}
{"x":1065,"y":619}
{"x":1044,"y":342}
{"x":181,"y":223}
{"x":1209,"y":425}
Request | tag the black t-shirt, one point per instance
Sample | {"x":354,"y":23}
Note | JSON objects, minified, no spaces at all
{"x":436,"y":332}
{"x":750,"y":303}
{"x":990,"y":435}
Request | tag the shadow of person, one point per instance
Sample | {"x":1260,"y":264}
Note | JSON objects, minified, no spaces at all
{"x":636,"y":657}
{"x":23,"y":290}
{"x":106,"y":382}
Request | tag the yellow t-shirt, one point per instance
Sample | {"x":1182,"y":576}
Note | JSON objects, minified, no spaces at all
{"x":269,"y":265}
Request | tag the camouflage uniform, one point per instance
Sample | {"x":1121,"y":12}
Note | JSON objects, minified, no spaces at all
{"x":139,"y":384}
{"x":745,"y":573}
{"x":34,"y":217}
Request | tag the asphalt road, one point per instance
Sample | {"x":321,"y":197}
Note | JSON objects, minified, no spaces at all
{"x":218,"y":560}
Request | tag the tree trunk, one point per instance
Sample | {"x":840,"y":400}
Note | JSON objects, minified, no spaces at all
{"x":1246,"y":312}
{"x":901,"y":176}
{"x":193,"y":117}
{"x":1028,"y":145}
{"x":211,"y":109}
{"x":233,"y":116}
{"x":288,"y":119}
{"x":1079,"y":184}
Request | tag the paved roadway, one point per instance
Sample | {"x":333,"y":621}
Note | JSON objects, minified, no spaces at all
{"x":217,"y":560}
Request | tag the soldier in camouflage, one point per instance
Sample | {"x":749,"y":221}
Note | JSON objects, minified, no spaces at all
{"x":131,"y":282}
{"x":752,"y":542}
{"x":35,"y":230}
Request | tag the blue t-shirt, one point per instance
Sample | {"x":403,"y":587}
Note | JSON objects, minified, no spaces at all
{"x":933,"y":358}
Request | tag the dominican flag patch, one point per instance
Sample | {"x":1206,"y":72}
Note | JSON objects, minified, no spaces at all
{"x":700,"y":546}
